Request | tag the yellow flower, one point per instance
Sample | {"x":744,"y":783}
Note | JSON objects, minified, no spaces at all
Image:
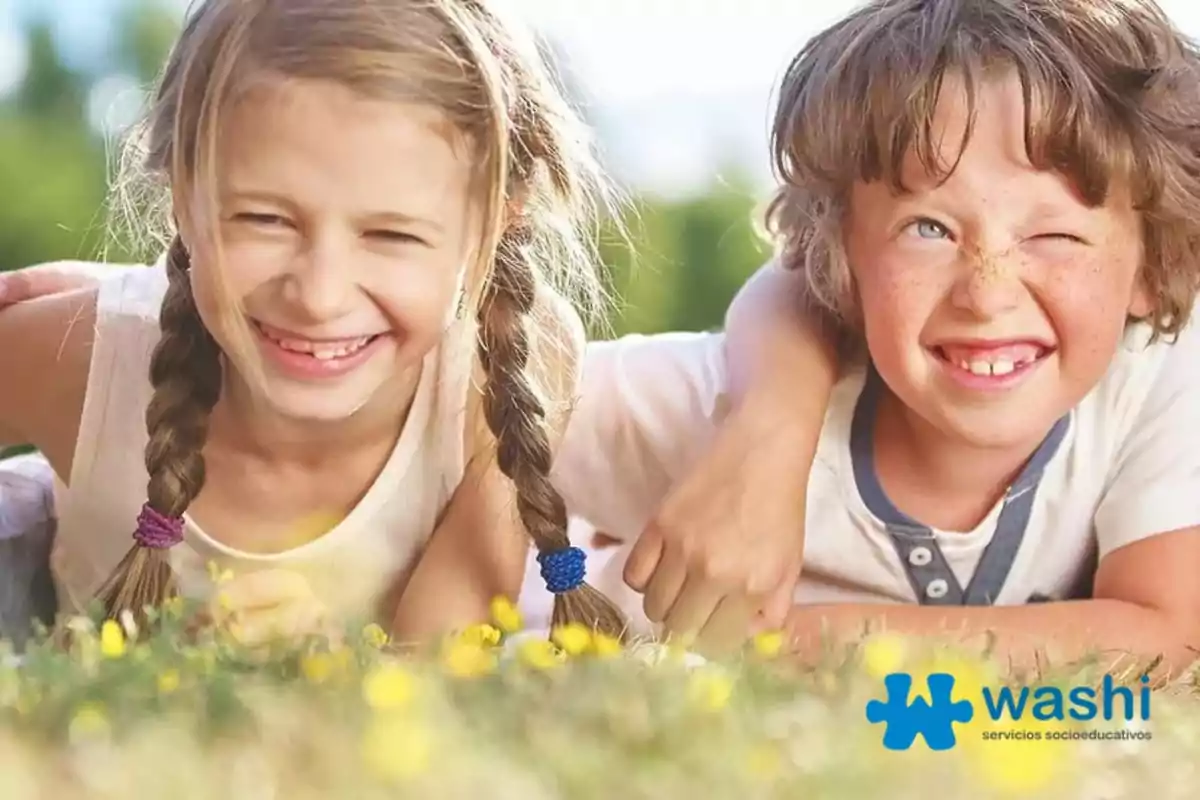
{"x":574,"y":638}
{"x":388,"y":687}
{"x":1020,"y":767}
{"x":540,"y":654}
{"x":710,"y":689}
{"x":168,"y":681}
{"x":605,"y":646}
{"x":396,"y":748}
{"x":89,"y":721}
{"x":883,"y":654}
{"x":217,"y":575}
{"x":318,"y":667}
{"x":506,"y":615}
{"x":112,"y":639}
{"x":375,"y":636}
{"x":769,"y":644}
{"x":464,"y":659}
{"x":481,"y":635}
{"x":763,"y":761}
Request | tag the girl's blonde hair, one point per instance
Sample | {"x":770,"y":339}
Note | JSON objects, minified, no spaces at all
{"x":540,"y":187}
{"x":1112,"y":97}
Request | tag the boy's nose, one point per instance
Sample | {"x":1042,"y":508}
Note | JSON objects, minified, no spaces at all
{"x":990,"y":285}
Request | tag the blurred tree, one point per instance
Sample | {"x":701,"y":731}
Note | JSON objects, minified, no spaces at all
{"x":48,"y":152}
{"x":147,"y":30}
{"x":48,"y":157}
{"x":50,"y":90}
{"x":53,"y":209}
{"x":688,"y":260}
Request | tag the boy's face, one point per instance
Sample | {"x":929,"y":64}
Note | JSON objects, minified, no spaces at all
{"x":994,"y":302}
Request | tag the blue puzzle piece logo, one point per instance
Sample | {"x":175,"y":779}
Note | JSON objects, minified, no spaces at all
{"x":905,"y":721}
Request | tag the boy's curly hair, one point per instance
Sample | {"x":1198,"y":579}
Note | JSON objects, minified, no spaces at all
{"x":1112,"y":96}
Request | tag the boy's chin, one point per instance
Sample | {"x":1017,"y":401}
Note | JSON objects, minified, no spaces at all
{"x":996,"y":429}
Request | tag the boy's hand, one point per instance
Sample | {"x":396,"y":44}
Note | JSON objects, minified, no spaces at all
{"x":722,"y":557}
{"x":54,"y":277}
{"x":268,"y":605}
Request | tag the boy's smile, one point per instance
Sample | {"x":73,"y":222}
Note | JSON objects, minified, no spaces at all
{"x":990,"y":364}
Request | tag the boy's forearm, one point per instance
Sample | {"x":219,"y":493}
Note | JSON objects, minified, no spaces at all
{"x":1120,"y":633}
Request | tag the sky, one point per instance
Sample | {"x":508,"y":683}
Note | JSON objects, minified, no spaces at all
{"x":677,"y":87}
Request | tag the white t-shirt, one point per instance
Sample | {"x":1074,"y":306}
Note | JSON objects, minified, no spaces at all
{"x":350,"y":568}
{"x":1123,"y":466}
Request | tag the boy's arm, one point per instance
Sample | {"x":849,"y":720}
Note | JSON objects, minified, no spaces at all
{"x":1145,"y":602}
{"x":1145,"y":607}
{"x":726,"y":544}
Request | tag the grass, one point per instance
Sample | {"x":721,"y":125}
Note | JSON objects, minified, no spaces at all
{"x":511,"y":715}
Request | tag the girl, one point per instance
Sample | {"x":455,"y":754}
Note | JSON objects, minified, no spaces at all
{"x":359,"y":195}
{"x":359,"y":200}
{"x":995,"y":204}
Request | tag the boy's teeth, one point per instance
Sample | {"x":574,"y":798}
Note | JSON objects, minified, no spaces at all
{"x":1001,"y":366}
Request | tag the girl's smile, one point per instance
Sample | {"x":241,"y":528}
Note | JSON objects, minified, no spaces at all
{"x":303,"y":358}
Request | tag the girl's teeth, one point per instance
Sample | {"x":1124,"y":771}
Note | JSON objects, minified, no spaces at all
{"x":323,"y":352}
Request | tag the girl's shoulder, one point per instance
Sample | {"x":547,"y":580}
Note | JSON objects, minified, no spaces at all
{"x":46,"y":350}
{"x":131,"y":292}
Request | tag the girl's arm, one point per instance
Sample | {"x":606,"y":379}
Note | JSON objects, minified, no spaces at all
{"x":45,"y":355}
{"x":480,"y":548}
{"x":726,"y":544}
{"x":476,"y":553}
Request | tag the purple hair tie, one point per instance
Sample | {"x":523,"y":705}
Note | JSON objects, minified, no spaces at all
{"x":157,"y":530}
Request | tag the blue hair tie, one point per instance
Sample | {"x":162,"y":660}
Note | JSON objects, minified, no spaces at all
{"x":563,"y":570}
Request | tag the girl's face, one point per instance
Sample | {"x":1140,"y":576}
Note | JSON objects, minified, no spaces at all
{"x":344,"y":226}
{"x":994,"y":302}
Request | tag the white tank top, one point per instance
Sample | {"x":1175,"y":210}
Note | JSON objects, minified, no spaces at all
{"x":350,"y":568}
